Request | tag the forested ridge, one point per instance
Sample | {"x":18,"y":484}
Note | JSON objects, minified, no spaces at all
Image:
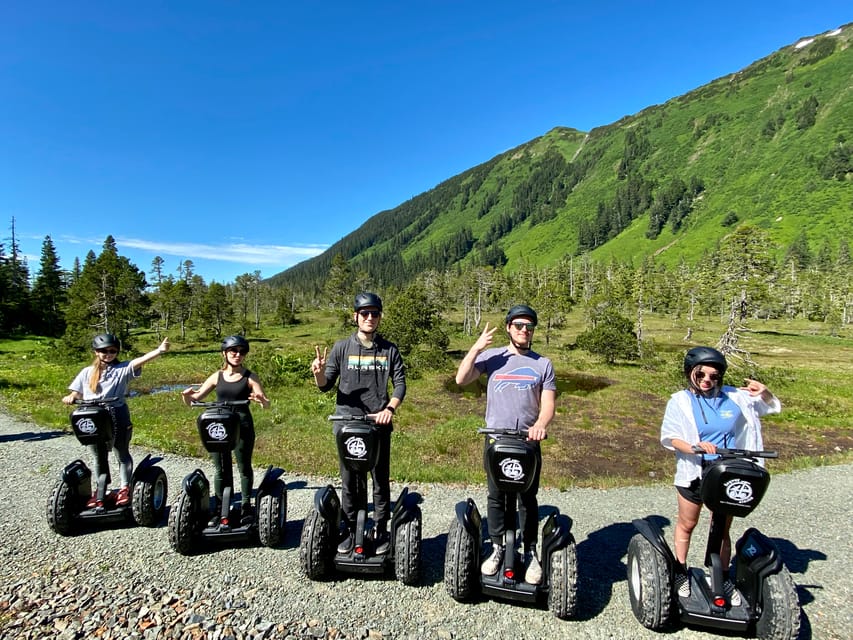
{"x":767,"y":146}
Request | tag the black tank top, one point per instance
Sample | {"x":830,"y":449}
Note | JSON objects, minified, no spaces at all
{"x":233,"y":390}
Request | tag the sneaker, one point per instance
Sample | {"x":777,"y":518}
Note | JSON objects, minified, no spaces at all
{"x":491,"y":564}
{"x":732,"y":593}
{"x":345,"y":545}
{"x":682,"y":584}
{"x":533,"y":575}
{"x":92,"y":502}
{"x":247,"y":514}
{"x":123,"y":497}
{"x":383,"y":543}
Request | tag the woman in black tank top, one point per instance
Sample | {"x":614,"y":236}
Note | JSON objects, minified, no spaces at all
{"x":233,"y":382}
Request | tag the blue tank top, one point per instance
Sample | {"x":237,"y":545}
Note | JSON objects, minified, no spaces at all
{"x":717,"y":419}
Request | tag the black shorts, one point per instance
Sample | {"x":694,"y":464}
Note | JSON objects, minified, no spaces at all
{"x":691,"y":492}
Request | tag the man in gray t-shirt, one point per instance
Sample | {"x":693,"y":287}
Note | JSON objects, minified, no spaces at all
{"x":521,"y":392}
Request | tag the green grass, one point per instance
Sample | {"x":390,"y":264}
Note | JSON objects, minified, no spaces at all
{"x":605,"y":433}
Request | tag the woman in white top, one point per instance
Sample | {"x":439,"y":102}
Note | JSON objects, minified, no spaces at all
{"x":709,"y":414}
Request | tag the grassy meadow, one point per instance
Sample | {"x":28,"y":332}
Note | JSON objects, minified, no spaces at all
{"x":605,"y":432}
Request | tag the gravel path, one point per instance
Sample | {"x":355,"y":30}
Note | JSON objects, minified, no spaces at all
{"x":128,"y":583}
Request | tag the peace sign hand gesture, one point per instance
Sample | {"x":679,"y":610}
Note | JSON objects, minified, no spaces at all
{"x":318,"y":365}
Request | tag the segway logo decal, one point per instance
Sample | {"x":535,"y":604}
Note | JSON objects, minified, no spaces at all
{"x":739,"y":490}
{"x":217,"y":431}
{"x":356,"y":447}
{"x":512,"y":469}
{"x":87,"y":426}
{"x":521,"y":379}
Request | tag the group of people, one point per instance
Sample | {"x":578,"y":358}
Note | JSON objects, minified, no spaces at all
{"x":369,"y":374}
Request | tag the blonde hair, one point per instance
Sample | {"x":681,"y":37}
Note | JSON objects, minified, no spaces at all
{"x":95,"y":378}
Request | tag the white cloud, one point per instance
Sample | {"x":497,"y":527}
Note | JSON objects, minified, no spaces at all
{"x":240,"y":252}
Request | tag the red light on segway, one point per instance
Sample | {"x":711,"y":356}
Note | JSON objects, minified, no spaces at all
{"x":509,"y":574}
{"x":719,"y":602}
{"x":359,"y":549}
{"x":224,"y":521}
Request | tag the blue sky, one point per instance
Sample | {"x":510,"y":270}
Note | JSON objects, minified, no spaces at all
{"x":250,"y":136}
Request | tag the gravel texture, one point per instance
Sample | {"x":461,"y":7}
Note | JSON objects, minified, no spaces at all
{"x":126,"y":582}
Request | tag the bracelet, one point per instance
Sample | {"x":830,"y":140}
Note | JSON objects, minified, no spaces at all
{"x":391,"y":409}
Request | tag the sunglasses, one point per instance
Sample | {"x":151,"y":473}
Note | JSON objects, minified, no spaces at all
{"x":713,"y":377}
{"x":242,"y":352}
{"x":373,"y":314}
{"x":524,"y":325}
{"x":110,"y":351}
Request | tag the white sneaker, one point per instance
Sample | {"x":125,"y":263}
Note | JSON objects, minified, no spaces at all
{"x":682,"y":584}
{"x":732,"y":593}
{"x":533,"y":575}
{"x":491,"y":564}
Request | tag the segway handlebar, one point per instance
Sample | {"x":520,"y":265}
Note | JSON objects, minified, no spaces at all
{"x":368,"y":417}
{"x":503,"y":431}
{"x":738,"y":453}
{"x":219,"y":403}
{"x":95,"y":403}
{"x":513,"y":432}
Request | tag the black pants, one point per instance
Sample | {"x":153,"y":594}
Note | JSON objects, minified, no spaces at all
{"x":223,"y":474}
{"x":354,"y":487}
{"x":501,"y":510}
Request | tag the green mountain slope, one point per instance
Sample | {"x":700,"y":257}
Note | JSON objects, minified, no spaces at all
{"x":769,"y":145}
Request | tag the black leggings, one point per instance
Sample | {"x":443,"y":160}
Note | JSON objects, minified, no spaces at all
{"x":223,"y":474}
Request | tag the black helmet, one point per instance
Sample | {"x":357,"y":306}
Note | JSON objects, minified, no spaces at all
{"x":367,"y":299}
{"x":707,"y":356}
{"x":521,"y":311}
{"x":234,"y":341}
{"x":105,"y":340}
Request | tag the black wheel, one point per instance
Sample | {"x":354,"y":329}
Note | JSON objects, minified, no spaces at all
{"x":407,"y":551}
{"x":150,"y":493}
{"x":780,"y":612}
{"x":272,"y":516}
{"x":61,"y":508}
{"x":563,"y":581}
{"x":315,"y":546}
{"x":461,"y":571}
{"x":184,"y":525}
{"x":649,"y":584}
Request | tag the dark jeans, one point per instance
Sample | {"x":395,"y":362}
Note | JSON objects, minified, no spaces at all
{"x":354,"y":487}
{"x":223,"y":474}
{"x":501,"y":509}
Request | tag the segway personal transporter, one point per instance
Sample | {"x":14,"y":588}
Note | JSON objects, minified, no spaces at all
{"x":511,"y":463}
{"x":358,"y":448}
{"x":68,"y":504}
{"x":190,"y":520}
{"x":732,"y":484}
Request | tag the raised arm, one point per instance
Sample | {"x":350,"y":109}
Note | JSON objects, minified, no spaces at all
{"x":467,"y":372}
{"x":159,"y":351}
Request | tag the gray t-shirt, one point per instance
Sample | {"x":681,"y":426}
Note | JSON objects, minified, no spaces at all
{"x":113,"y":383}
{"x":515,"y":386}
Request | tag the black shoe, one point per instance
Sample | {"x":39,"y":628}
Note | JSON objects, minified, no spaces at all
{"x":345,"y":545}
{"x":383,"y":543}
{"x":247,"y":515}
